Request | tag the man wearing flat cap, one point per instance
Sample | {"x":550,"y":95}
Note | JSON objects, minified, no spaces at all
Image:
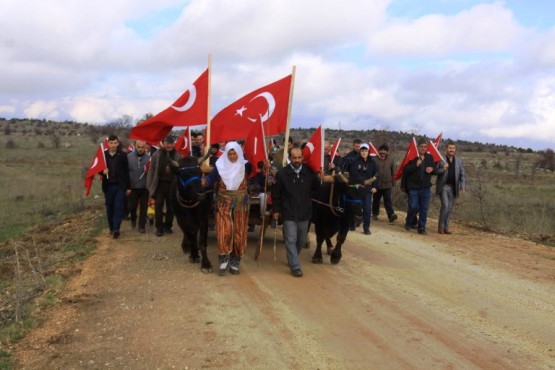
{"x":418,"y":174}
{"x":158,"y":183}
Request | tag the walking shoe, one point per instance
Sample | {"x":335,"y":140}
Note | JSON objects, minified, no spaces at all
{"x":375,"y":217}
{"x":133,"y":224}
{"x":234,"y":262}
{"x":422,"y":232}
{"x":115,"y":235}
{"x":440,"y":231}
{"x":447,"y":231}
{"x":168,"y":230}
{"x":297,"y":273}
{"x":392,"y":218}
{"x":223,"y":260}
{"x":407,"y":227}
{"x":367,"y":232}
{"x":352,"y":228}
{"x":159,"y":232}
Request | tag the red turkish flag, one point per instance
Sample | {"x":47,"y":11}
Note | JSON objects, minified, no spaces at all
{"x":412,"y":152}
{"x":190,"y":109}
{"x":438,"y":139}
{"x":333,"y":149}
{"x":98,"y":165}
{"x":269,"y":104}
{"x":372,"y":151}
{"x":255,"y":146}
{"x":313,"y":152}
{"x":432,"y":149}
{"x":183,"y":144}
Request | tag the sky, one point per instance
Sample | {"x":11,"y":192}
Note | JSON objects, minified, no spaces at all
{"x":474,"y":70}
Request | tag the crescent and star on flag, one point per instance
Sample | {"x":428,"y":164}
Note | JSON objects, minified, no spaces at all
{"x":263,"y":117}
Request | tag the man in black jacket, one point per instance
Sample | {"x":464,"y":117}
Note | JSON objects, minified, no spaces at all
{"x":115,"y":184}
{"x":292,"y":199}
{"x":418,"y":174}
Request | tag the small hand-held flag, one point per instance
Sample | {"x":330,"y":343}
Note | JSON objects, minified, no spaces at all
{"x":333,"y":149}
{"x":432,"y":149}
{"x":98,"y":165}
{"x":412,"y":152}
{"x":183,"y":144}
{"x":313,"y":152}
{"x":372,"y":151}
{"x":438,"y":140}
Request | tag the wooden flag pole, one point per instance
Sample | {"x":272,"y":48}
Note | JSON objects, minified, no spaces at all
{"x":286,"y":140}
{"x":265,"y":202}
{"x":205,"y":164}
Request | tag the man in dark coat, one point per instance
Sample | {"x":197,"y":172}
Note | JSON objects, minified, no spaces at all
{"x":115,"y":184}
{"x":418,"y":175}
{"x":292,"y":200}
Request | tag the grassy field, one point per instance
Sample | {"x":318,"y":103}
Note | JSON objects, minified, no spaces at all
{"x":41,"y":183}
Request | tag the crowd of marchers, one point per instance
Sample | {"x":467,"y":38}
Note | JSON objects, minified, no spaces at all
{"x":141,"y":176}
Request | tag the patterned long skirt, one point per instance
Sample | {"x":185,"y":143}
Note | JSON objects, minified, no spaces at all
{"x":232,"y":221}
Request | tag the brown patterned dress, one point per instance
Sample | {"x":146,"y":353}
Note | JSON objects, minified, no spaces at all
{"x":232,"y":218}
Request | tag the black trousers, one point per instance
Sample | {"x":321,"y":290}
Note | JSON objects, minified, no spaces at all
{"x":138,"y":199}
{"x":388,"y":204}
{"x":162,"y":200}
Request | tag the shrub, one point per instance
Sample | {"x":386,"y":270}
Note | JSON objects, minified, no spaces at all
{"x":10,"y":144}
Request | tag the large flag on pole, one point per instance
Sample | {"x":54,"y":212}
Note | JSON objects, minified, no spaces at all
{"x":313,"y":152}
{"x":270,"y":102}
{"x":255,"y":146}
{"x":98,"y":164}
{"x":412,"y":152}
{"x":183,"y":144}
{"x":190,"y":109}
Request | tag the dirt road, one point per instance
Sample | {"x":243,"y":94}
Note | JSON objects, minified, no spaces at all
{"x":397,"y":300}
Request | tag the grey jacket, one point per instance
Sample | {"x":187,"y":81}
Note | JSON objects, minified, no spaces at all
{"x":460,"y":177}
{"x":137,"y":165}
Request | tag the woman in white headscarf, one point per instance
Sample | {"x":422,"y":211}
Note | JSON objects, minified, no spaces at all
{"x":229,"y":178}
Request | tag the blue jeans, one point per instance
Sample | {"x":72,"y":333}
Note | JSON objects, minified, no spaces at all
{"x":294,"y":233}
{"x":419,"y":202}
{"x":447,"y":199}
{"x":114,"y":198}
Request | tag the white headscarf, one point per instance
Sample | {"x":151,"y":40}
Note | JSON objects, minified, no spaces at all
{"x":232,"y":174}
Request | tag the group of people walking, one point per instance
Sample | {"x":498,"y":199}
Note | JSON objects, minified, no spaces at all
{"x":142,"y":174}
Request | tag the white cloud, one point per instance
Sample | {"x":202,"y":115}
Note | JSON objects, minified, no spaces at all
{"x":483,"y":28}
{"x":43,"y":109}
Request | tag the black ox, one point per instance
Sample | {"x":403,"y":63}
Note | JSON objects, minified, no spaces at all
{"x":190,"y":206}
{"x":337,"y":205}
